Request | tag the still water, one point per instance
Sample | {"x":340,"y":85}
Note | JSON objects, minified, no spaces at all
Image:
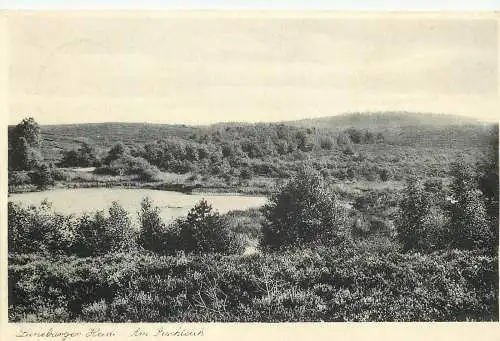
{"x":171,"y":204}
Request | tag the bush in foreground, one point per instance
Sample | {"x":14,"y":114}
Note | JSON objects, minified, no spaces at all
{"x":100,"y":234}
{"x":41,"y":230}
{"x":38,"y":229}
{"x":468,"y":215}
{"x":419,"y":225}
{"x":301,"y":212}
{"x":301,"y":285}
{"x":205,"y":231}
{"x":154,"y":235}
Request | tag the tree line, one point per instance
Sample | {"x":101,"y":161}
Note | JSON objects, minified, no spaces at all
{"x":231,"y":151}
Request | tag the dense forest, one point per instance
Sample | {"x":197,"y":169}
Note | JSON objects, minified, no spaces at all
{"x":369,"y":217}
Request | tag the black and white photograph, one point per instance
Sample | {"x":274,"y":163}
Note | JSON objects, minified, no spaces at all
{"x":245,"y":166}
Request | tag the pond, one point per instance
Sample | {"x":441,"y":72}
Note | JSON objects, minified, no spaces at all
{"x":171,"y":204}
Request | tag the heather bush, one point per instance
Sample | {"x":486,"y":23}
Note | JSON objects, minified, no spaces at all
{"x":318,"y":284}
{"x":246,"y":173}
{"x":385,"y":174}
{"x":117,"y":151}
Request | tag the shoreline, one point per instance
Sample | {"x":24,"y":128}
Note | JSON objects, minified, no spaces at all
{"x":179,"y":187}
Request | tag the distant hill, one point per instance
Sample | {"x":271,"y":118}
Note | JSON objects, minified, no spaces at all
{"x":103,"y":135}
{"x":384,"y":120}
{"x":402,"y":128}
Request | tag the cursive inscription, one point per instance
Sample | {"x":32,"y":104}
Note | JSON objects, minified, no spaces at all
{"x":49,"y":334}
{"x":165,"y":332}
{"x":97,"y":332}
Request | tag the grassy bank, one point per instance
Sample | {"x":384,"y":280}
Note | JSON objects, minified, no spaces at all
{"x":186,"y":183}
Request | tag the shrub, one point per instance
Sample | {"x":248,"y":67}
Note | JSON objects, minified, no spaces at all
{"x":469,"y":221}
{"x":193,"y":177}
{"x":38,"y":230}
{"x":265,"y":169}
{"x":95,"y":312}
{"x":130,"y":165}
{"x":98,"y":234}
{"x":90,"y":235}
{"x":355,"y":135}
{"x":325,"y":173}
{"x":17,"y":178}
{"x":303,"y":211}
{"x":204,"y":230}
{"x":148,"y":173}
{"x":348,"y":150}
{"x":488,"y":184}
{"x":420,"y":226}
{"x":361,"y":225}
{"x":117,"y":151}
{"x":433,"y":185}
{"x":122,"y":235}
{"x":343,"y":139}
{"x":152,"y":228}
{"x":42,"y":177}
{"x":85,"y":156}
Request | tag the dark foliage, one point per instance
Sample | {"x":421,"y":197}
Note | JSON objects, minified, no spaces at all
{"x":469,"y":221}
{"x":301,"y":285}
{"x":41,"y":177}
{"x":153,"y":235}
{"x":205,"y":231}
{"x":24,"y":145}
{"x":127,"y":164}
{"x":301,"y":212}
{"x":85,"y":156}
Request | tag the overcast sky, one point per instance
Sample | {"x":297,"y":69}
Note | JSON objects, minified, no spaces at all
{"x":200,"y":68}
